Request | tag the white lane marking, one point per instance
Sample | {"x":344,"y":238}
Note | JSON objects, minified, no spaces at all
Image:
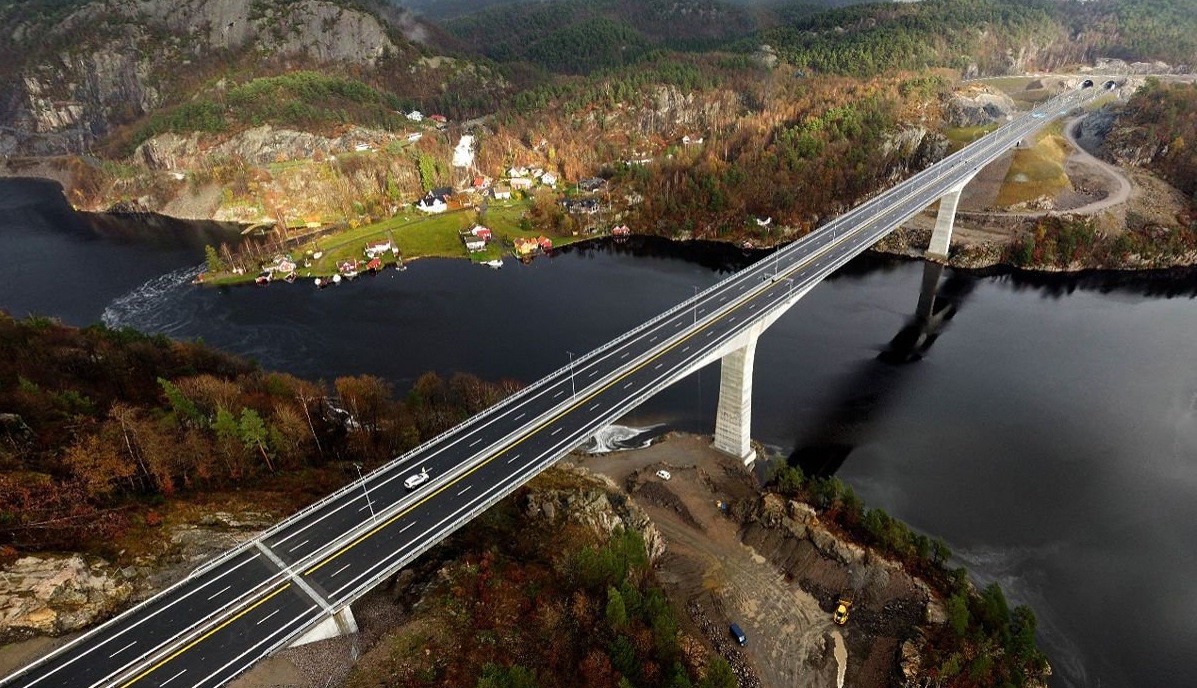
{"x":594,"y":407}
{"x":733,"y":319}
{"x":513,"y":458}
{"x":476,"y":442}
{"x":752,"y":307}
{"x":658,"y":366}
{"x":679,"y":323}
{"x":625,"y":354}
{"x":521,"y":415}
{"x":555,"y":432}
{"x":125,"y":648}
{"x":298,"y":546}
{"x":464,"y":490}
{"x":400,"y":554}
{"x":710,"y":332}
{"x":559,"y":393}
{"x":592,"y":373}
{"x":686,"y":349}
{"x":367,"y":506}
{"x":219,"y":592}
{"x":89,"y":650}
{"x":182,"y":672}
{"x":702,"y":310}
{"x":628,"y":385}
{"x":300,"y":620}
{"x":653,"y":339}
{"x":264,"y":619}
{"x":409,"y":525}
{"x":341,"y":569}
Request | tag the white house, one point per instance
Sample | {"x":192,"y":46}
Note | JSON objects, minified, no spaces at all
{"x":548,"y":179}
{"x":521,"y":183}
{"x":414,"y":136}
{"x":474,"y":243}
{"x":431,"y":205}
{"x":501,"y":193}
{"x":517,"y":172}
{"x":765,"y":222}
{"x":688,"y":140}
{"x":415,"y":116}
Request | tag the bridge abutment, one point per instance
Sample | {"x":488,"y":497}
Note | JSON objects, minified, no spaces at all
{"x":733,"y":421}
{"x":941,"y":238}
{"x":339,"y":624}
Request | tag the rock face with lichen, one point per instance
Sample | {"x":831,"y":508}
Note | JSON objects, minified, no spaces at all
{"x":56,"y":594}
{"x":105,"y":64}
{"x":53,"y":594}
{"x":601,"y":506}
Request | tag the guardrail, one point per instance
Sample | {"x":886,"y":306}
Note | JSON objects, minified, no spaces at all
{"x":558,"y":375}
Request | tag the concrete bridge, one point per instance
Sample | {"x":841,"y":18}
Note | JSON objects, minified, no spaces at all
{"x":295,"y":582}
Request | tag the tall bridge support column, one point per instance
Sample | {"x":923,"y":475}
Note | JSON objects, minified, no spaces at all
{"x":733,"y":421}
{"x":941,"y":238}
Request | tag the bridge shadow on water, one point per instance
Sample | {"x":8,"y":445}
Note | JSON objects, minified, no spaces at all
{"x":875,"y":383}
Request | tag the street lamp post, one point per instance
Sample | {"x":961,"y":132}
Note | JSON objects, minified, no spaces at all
{"x":573,"y":389}
{"x":366,"y":490}
{"x":695,"y":304}
{"x":790,"y":291}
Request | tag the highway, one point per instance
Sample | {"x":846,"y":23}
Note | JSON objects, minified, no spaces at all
{"x":259,"y":597}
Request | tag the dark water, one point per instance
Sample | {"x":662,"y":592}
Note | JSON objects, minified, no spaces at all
{"x":1046,"y":428}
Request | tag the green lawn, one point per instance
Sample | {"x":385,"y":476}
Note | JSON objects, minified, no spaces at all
{"x":960,"y":137}
{"x":417,"y":236}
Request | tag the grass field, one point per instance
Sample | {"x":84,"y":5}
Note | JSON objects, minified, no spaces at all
{"x":960,"y":137}
{"x":1038,"y":170}
{"x":417,"y":236}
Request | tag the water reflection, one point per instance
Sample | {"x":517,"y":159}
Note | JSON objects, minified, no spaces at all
{"x":875,"y":382}
{"x":1170,"y":283}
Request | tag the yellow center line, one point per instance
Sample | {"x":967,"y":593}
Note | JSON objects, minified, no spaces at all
{"x":203,"y":637}
{"x":550,"y":421}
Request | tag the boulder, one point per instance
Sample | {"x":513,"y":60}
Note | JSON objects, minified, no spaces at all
{"x":56,"y":594}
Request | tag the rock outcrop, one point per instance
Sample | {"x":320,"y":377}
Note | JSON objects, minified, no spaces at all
{"x":602,"y":507}
{"x":53,"y":594}
{"x":979,"y":107}
{"x":56,"y":594}
{"x":108,"y":63}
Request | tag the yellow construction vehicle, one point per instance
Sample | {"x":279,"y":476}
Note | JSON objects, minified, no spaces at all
{"x":840,"y":615}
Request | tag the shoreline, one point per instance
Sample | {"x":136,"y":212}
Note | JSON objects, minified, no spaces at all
{"x":982,"y":259}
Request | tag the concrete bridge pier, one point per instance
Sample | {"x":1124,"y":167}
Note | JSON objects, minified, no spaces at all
{"x":733,"y":421}
{"x":941,"y":238}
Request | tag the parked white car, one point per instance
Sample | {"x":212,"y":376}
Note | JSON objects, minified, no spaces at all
{"x":417,"y":479}
{"x":663,"y":474}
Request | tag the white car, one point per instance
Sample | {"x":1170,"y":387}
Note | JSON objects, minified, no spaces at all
{"x":663,"y":474}
{"x":417,"y":479}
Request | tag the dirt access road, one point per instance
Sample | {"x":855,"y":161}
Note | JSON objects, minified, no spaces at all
{"x":717,"y":579}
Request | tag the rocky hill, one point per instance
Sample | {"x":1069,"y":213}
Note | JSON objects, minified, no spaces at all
{"x":76,"y":72}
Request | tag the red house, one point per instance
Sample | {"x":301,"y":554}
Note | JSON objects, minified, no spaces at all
{"x":621,"y":231}
{"x":545,"y":243}
{"x":481,"y":232}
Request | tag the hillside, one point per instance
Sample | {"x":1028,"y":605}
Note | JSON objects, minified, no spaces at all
{"x":707,"y":120}
{"x":99,"y":427}
{"x":75,"y":74}
{"x":1157,"y":129}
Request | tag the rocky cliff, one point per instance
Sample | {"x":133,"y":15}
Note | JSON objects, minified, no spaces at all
{"x":69,"y":81}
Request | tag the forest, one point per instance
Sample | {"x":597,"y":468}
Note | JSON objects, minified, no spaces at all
{"x":1160,"y":124}
{"x":100,"y":426}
